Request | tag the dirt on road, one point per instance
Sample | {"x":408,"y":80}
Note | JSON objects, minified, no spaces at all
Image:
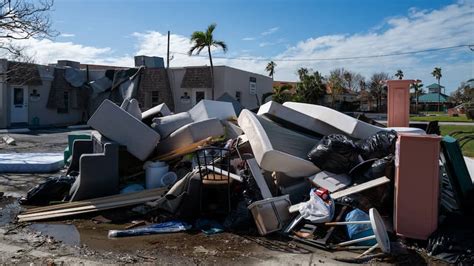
{"x":81,"y":240}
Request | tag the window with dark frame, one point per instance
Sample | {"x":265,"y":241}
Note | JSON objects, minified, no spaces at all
{"x":65,"y":108}
{"x":155,"y":98}
{"x":238,"y":96}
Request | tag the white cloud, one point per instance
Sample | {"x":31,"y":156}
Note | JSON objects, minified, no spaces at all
{"x":248,"y":39}
{"x":67,"y":35}
{"x":270,"y":31}
{"x":47,"y":51}
{"x":417,"y":30}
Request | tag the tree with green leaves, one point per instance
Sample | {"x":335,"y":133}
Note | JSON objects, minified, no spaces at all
{"x":310,"y":88}
{"x":417,"y":87}
{"x":302,"y":73}
{"x":437,"y":74}
{"x":336,"y":84}
{"x":205,"y":39}
{"x":399,"y":74}
{"x":282,"y":93}
{"x":270,"y":68}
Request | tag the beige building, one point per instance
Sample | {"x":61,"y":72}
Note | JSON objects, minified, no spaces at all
{"x":191,"y":84}
{"x":67,"y":93}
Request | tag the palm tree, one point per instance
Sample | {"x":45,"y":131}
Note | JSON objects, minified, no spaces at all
{"x":417,"y":87}
{"x":437,"y":74}
{"x":399,"y":74}
{"x":205,"y":39}
{"x":271,"y":68}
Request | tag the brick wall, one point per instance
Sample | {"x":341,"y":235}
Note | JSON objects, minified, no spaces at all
{"x":197,"y":77}
{"x":154,"y":79}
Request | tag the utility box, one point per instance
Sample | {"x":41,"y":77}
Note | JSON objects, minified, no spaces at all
{"x":149,"y":61}
{"x":416,"y":185}
{"x":398,"y":103}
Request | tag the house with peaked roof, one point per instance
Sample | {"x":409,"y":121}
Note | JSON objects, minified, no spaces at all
{"x":67,"y":93}
{"x":435,"y":88}
{"x":429,"y":101}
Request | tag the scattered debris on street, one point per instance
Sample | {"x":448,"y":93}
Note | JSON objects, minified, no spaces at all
{"x":303,"y":173}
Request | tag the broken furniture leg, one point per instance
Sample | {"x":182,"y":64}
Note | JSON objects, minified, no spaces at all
{"x":380,"y":233}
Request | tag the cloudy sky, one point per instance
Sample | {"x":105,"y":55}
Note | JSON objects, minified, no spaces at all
{"x":294,"y":34}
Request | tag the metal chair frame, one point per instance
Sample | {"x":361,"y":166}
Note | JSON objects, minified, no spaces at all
{"x":214,"y":167}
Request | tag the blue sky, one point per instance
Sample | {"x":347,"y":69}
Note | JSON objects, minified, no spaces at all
{"x":113,"y":31}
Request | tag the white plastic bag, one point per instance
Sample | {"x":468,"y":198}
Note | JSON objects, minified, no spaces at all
{"x":317,"y":210}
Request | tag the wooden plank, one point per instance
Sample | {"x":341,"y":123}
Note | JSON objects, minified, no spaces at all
{"x":96,"y":200}
{"x":84,"y":209}
{"x":224,"y":172}
{"x":358,"y":188}
{"x":259,"y":179}
{"x":89,"y":207}
{"x":183,"y":150}
{"x":98,"y":203}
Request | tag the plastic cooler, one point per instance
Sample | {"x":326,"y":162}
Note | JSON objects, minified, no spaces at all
{"x":416,"y":185}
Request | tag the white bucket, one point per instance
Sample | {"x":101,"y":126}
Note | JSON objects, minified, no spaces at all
{"x":154,"y":173}
{"x":168,"y":179}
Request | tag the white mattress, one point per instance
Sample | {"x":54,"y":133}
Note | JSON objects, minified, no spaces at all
{"x":207,"y":109}
{"x":189,"y":134}
{"x":31,"y":162}
{"x":279,"y":149}
{"x":276,"y":111}
{"x":347,"y":124}
{"x":116,"y":124}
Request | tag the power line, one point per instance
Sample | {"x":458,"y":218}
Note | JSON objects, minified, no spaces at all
{"x":470,"y":46}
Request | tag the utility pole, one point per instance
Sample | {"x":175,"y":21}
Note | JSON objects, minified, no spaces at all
{"x":168,"y":52}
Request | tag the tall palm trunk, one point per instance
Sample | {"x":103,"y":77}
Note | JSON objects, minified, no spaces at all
{"x":212,"y":71}
{"x":439,"y":95}
{"x":416,"y":102}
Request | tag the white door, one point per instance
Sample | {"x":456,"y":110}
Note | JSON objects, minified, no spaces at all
{"x":19,"y":105}
{"x":198,"y":95}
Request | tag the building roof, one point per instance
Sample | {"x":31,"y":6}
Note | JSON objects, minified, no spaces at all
{"x":23,"y":74}
{"x":434,"y":86}
{"x":432,"y":98}
{"x":197,"y":77}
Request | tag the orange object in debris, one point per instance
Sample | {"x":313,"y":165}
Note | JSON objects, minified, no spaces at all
{"x":398,"y":103}
{"x":416,"y":185}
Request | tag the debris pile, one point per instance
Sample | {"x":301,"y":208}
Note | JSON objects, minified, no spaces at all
{"x":308,"y":172}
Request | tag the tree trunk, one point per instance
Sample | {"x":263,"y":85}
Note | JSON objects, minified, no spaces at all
{"x":212,"y":72}
{"x":416,"y":102}
{"x":439,"y":95}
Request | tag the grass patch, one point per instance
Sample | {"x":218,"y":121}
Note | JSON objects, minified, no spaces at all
{"x":441,"y":118}
{"x":468,"y":149}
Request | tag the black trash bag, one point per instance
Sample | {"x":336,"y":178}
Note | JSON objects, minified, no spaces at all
{"x":378,"y":145}
{"x":335,"y":153}
{"x":453,"y":241}
{"x":55,"y":188}
{"x":379,"y":168}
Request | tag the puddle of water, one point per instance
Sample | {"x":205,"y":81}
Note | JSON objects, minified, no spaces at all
{"x":66,"y":233}
{"x":9,"y":208}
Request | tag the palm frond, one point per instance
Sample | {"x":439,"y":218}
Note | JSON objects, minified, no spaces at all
{"x":210,"y":29}
{"x":221,"y":44}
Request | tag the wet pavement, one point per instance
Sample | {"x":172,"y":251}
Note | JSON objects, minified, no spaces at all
{"x":81,"y":240}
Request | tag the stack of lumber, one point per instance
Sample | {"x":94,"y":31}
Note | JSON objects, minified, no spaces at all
{"x":92,"y":205}
{"x":184,"y":150}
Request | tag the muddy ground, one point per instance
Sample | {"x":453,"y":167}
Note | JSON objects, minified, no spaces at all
{"x":81,"y":240}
